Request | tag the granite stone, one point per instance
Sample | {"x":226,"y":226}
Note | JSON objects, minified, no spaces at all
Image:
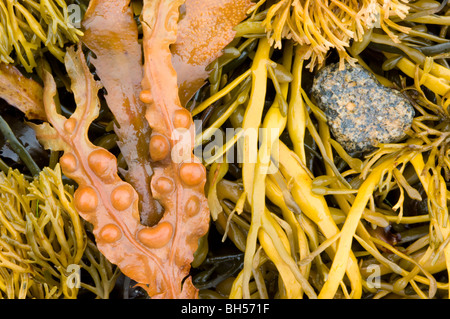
{"x":360,"y":111}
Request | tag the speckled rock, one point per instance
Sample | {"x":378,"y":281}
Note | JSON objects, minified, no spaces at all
{"x":360,"y":111}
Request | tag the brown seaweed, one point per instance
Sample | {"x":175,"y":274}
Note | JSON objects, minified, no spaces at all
{"x":112,"y":35}
{"x":179,"y":177}
{"x":157,"y":257}
{"x":23,"y":93}
{"x":203,"y":32}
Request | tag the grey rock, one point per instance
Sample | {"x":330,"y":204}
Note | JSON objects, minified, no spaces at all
{"x":360,"y":111}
